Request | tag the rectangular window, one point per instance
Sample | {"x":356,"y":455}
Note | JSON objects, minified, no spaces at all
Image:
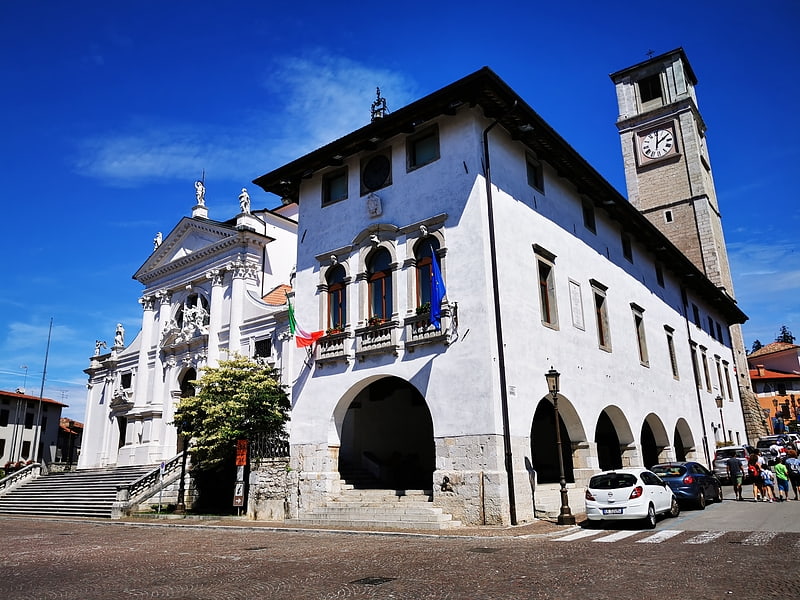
{"x":720,"y":337}
{"x":126,"y":380}
{"x":711,"y":331}
{"x":659,"y":275}
{"x":547,"y":291}
{"x":727,"y":379}
{"x":601,"y":315}
{"x":641,"y":340}
{"x":696,"y":314}
{"x":44,"y":425}
{"x":650,"y":90}
{"x":2,"y":447}
{"x":263,"y":348}
{"x":535,"y":174}
{"x":627,"y":250}
{"x":26,"y":450}
{"x":673,"y":360}
{"x":28,"y":420}
{"x":334,"y":187}
{"x":696,"y":367}
{"x":706,"y":372}
{"x":422,"y":148}
{"x":719,"y":376}
{"x":4,"y":413}
{"x":588,"y":216}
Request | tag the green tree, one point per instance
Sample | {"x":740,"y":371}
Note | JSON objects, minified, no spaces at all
{"x":757,"y":345}
{"x":785,"y":335}
{"x":235,"y":400}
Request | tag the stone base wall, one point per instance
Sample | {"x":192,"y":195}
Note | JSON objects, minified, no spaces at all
{"x":269,"y":489}
{"x":314,"y":477}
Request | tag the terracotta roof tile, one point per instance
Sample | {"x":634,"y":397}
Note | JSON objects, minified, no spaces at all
{"x":277,"y":296}
{"x":773,"y":347}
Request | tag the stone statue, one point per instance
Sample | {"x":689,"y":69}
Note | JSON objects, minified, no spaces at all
{"x":244,"y":201}
{"x":157,"y":241}
{"x":374,"y":207}
{"x":200,"y":193}
{"x":119,"y":336}
{"x":97,"y":345}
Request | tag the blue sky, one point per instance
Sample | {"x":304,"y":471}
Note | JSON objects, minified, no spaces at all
{"x":111,"y":111}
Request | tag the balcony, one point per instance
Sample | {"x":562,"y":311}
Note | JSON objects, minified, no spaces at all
{"x":333,"y":347}
{"x":380,"y":338}
{"x":419,"y":330}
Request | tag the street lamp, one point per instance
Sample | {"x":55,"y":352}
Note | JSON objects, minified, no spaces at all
{"x":565,"y":517}
{"x":180,"y":507}
{"x":718,"y":400}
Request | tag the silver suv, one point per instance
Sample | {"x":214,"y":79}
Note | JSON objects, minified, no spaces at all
{"x":723,"y":454}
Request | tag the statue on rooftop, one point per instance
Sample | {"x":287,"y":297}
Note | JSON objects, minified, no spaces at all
{"x":244,"y":201}
{"x":200,"y":193}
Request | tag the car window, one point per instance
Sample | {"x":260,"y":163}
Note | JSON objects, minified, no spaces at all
{"x":728,"y":452}
{"x":669,"y":470}
{"x":650,"y":479}
{"x":612,"y":481}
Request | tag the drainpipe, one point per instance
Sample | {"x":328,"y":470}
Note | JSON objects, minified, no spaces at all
{"x":501,"y":362}
{"x":695,"y":370}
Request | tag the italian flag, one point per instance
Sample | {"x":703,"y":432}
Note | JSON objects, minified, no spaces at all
{"x":301,"y":336}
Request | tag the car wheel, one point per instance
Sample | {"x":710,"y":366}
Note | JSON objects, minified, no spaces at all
{"x":718,"y":497}
{"x":701,"y":500}
{"x":650,"y":519}
{"x":674,"y":509}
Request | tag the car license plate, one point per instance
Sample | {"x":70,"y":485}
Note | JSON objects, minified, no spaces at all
{"x":612,"y":511}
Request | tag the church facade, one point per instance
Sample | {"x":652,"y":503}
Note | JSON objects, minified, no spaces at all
{"x":206,"y":296}
{"x":455,"y":251}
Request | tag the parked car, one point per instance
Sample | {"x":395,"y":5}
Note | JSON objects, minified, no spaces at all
{"x":691,"y":482}
{"x":722,"y":455}
{"x":626,"y":494}
{"x":766,"y":444}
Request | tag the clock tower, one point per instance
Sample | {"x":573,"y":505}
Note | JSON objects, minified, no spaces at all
{"x":669,"y":180}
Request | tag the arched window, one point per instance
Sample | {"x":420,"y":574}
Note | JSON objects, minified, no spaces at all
{"x":337,"y":297}
{"x":379,"y":273}
{"x":423,"y":252}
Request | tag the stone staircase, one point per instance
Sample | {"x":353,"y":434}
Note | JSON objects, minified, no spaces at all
{"x":88,"y":493}
{"x":379,"y":509}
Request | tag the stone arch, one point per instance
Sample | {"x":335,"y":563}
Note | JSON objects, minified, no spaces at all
{"x":654,"y":441}
{"x":614,"y":440}
{"x":544,"y":456}
{"x":684,"y":443}
{"x":384,"y":430}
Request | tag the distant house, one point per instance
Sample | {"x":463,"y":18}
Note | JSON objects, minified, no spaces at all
{"x":70,"y":436}
{"x":775,"y":373}
{"x":25,"y":422}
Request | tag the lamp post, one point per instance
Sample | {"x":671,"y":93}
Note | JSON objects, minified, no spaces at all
{"x":180,"y":506}
{"x":565,"y":517}
{"x":718,"y":400}
{"x":775,"y":418}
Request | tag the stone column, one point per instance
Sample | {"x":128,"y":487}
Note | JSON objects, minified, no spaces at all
{"x":241,"y":270}
{"x":215,"y":318}
{"x":164,"y":297}
{"x":141,"y":387}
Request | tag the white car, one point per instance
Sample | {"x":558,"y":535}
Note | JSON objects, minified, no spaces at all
{"x":626,"y":494}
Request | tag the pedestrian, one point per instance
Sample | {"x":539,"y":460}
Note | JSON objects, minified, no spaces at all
{"x":769,"y":481}
{"x":782,"y":479}
{"x":754,"y":472}
{"x":793,"y":464}
{"x":735,"y":474}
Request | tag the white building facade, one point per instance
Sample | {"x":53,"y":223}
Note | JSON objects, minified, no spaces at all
{"x":205,"y":298}
{"x":545,"y":266}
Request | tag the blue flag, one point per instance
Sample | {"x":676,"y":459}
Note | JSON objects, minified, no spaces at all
{"x":438,"y":292}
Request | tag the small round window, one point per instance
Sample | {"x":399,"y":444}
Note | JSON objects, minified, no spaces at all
{"x":376,"y":172}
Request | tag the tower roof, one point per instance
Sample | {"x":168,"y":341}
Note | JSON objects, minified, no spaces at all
{"x":657,"y":59}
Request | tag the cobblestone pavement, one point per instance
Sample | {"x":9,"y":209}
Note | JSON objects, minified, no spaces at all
{"x":88,"y":560}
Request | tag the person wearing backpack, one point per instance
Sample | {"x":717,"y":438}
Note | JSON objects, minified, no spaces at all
{"x":793,"y":464}
{"x":754,"y":472}
{"x":769,"y":481}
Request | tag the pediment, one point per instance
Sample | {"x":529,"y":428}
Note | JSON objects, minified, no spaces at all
{"x":190,"y":238}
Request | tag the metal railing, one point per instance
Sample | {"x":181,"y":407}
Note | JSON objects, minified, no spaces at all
{"x":265,"y":445}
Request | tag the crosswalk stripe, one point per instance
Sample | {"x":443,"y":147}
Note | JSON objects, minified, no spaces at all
{"x":577,"y":535}
{"x":613,"y":537}
{"x":759,"y":538}
{"x":659,"y":536}
{"x":705,"y":537}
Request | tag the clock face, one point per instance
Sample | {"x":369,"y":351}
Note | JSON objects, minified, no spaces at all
{"x":658,"y":143}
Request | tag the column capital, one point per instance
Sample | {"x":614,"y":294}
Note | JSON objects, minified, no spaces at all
{"x":147,"y":302}
{"x":216,"y":276}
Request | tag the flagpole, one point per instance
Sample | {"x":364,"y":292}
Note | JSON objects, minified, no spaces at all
{"x":37,"y":433}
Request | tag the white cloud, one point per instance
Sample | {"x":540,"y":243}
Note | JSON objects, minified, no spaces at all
{"x":315,"y":99}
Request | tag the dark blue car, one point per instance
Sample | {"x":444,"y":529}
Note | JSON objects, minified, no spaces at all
{"x":691,"y":482}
